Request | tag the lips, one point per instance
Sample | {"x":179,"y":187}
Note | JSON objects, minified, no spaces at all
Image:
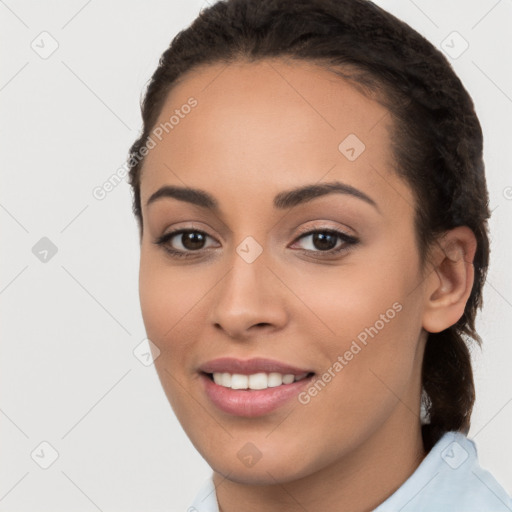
{"x":239,"y":401}
{"x":250,"y":366}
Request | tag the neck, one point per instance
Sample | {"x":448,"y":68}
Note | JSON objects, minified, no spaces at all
{"x":358,"y":482}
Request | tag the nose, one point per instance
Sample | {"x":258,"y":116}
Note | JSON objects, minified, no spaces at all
{"x":249,"y":300}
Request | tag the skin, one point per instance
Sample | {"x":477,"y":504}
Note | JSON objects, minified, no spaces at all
{"x":258,"y":129}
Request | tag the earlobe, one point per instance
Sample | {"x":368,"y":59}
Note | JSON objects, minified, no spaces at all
{"x":449,"y":284}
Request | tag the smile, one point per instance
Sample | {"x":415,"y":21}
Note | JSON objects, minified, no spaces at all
{"x":255,"y":380}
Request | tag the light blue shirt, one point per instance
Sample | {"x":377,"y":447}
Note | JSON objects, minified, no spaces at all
{"x":449,"y":479}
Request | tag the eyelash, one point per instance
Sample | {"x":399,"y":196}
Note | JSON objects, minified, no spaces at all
{"x":347,"y":239}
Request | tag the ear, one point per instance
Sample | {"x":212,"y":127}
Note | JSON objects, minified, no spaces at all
{"x":449,"y":285}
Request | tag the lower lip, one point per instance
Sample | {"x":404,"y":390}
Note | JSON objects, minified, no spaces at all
{"x":251,"y":403}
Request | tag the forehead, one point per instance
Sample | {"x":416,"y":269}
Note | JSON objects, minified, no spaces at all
{"x":272,"y":123}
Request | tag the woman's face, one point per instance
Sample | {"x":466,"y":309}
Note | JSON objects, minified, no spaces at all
{"x":259,"y":288}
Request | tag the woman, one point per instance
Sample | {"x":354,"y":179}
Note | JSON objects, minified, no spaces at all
{"x":312,"y":208}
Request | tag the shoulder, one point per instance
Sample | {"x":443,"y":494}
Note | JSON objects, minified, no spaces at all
{"x":450,"y":478}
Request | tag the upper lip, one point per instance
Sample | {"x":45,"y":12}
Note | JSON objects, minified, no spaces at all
{"x":250,"y":366}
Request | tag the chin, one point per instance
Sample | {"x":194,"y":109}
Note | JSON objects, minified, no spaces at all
{"x":271,"y":468}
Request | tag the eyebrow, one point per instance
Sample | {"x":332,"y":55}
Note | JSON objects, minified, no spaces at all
{"x":282,"y":201}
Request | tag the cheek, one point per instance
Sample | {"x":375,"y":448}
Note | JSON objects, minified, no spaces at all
{"x":153,"y":298}
{"x":165,"y":299}
{"x":368,"y":316}
{"x":343,"y":301}
{"x":165,"y":295}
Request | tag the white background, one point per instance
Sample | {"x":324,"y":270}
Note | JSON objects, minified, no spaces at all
{"x":70,"y":325}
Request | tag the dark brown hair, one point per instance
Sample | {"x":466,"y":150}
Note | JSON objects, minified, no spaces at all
{"x":436,"y":141}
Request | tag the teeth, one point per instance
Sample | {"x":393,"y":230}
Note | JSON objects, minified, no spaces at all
{"x":274,"y":379}
{"x":288,"y":379}
{"x":255,"y":381}
{"x":226,"y":380}
{"x":239,"y":381}
{"x":258,"y":381}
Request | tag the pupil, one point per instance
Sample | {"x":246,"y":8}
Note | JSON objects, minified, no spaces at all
{"x":192,"y":240}
{"x":321,"y":238}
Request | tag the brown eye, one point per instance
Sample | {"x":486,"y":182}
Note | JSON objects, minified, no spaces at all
{"x":326,"y":240}
{"x":192,"y":240}
{"x":183,"y":242}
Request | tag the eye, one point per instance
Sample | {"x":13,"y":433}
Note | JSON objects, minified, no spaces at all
{"x":328,"y":240}
{"x":187,"y":241}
